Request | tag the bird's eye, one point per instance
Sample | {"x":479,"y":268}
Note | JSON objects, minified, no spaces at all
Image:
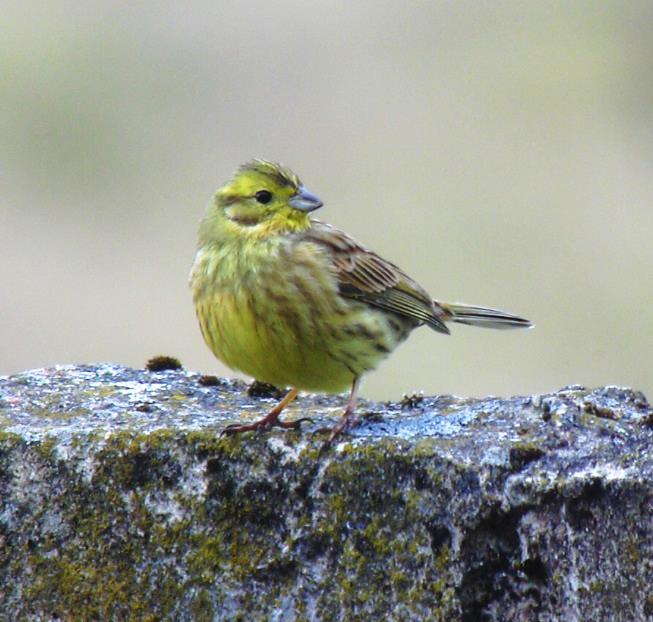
{"x":263,"y":196}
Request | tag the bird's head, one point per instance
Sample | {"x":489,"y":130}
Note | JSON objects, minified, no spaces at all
{"x":261,"y":200}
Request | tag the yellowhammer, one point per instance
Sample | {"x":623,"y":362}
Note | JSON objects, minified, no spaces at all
{"x":294,"y":302}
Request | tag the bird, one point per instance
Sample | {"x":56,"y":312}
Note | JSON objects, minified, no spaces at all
{"x":295,"y":302}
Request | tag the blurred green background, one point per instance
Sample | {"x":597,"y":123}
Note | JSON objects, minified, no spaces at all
{"x":501,"y":153}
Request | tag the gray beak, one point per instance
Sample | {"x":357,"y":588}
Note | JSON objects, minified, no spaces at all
{"x":305,"y":201}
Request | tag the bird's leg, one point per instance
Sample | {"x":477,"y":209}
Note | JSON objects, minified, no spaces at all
{"x":270,"y":420}
{"x":347,"y":420}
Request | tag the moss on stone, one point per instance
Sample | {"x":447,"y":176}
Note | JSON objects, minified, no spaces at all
{"x":139,"y":517}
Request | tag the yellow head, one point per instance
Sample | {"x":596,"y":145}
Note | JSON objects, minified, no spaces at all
{"x":261,"y":200}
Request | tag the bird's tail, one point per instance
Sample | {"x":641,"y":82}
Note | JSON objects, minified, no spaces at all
{"x":482,"y":316}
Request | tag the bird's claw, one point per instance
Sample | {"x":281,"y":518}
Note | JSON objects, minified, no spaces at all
{"x":347,"y":422}
{"x":263,"y":424}
{"x":294,"y":425}
{"x":234,"y":428}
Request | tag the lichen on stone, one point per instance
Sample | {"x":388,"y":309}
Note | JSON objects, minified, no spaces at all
{"x":121,"y":500}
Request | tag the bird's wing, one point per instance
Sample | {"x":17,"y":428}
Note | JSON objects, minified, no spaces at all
{"x":365,"y":276}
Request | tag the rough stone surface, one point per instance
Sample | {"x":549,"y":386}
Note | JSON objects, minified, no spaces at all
{"x":120,"y":500}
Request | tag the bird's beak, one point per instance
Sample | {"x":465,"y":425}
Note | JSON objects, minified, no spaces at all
{"x":305,"y":201}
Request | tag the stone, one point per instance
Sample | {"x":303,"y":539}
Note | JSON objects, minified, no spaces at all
{"x":119,"y":499}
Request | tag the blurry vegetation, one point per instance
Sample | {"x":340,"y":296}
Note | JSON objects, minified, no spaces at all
{"x":501,"y":154}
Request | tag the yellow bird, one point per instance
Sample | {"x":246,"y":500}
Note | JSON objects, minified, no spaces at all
{"x":295,"y":302}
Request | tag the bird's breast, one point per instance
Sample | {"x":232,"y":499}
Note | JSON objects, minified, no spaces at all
{"x":275,"y":313}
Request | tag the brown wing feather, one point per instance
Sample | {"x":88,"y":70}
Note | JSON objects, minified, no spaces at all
{"x":365,"y":276}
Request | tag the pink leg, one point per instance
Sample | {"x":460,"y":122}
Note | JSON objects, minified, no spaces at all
{"x":270,"y":420}
{"x":347,"y":420}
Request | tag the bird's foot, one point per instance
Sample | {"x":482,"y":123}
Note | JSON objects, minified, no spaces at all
{"x":263,"y":424}
{"x":271,"y":420}
{"x":346,"y":423}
